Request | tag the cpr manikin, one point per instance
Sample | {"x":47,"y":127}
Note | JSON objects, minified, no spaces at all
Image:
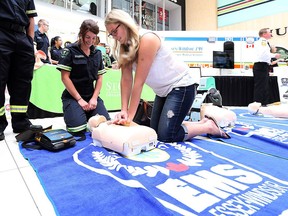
{"x":223,"y":116}
{"x":127,"y":140}
{"x":279,"y":111}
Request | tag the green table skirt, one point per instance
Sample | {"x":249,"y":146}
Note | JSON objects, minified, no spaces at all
{"x":47,"y":89}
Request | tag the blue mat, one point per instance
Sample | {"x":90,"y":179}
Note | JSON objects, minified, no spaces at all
{"x":200,"y":177}
{"x":244,"y":117}
{"x":264,"y":134}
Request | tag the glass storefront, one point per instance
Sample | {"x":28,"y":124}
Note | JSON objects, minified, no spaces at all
{"x":154,"y":15}
{"x":94,"y":7}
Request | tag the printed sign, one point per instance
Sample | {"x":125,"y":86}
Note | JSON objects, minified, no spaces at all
{"x":189,"y":180}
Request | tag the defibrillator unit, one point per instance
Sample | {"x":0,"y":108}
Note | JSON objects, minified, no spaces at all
{"x":54,"y":140}
{"x":50,"y":139}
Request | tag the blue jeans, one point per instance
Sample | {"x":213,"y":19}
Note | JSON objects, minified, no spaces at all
{"x":169,"y":112}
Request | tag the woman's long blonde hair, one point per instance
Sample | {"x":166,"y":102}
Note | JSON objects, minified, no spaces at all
{"x":124,"y":53}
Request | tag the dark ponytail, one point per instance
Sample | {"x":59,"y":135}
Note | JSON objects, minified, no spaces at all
{"x":52,"y":43}
{"x":53,"y":40}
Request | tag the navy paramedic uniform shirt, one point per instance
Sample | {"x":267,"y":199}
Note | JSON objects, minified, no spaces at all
{"x":42,"y":43}
{"x":56,"y":53}
{"x":16,"y":61}
{"x":19,"y":13}
{"x":84,"y":70}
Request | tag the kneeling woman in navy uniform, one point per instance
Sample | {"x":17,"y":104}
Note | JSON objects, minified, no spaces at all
{"x":81,"y":65}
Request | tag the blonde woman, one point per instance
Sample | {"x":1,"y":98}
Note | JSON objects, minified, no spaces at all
{"x":155,"y":65}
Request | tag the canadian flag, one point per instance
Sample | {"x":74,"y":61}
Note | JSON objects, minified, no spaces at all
{"x":249,"y":45}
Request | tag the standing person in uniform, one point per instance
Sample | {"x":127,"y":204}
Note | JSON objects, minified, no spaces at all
{"x":41,"y":39}
{"x":261,"y":67}
{"x":56,"y":49}
{"x":17,"y":61}
{"x":146,"y":54}
{"x":81,"y":65}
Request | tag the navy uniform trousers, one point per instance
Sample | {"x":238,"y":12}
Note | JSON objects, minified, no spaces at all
{"x":261,"y":82}
{"x":16,"y":71}
{"x":76,"y":118}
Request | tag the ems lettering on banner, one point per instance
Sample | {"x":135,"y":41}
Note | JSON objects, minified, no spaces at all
{"x":190,"y":180}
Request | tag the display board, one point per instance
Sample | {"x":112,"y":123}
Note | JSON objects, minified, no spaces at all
{"x":47,"y":89}
{"x":282,"y":76}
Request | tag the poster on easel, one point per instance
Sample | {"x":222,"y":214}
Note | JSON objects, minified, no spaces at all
{"x":282,"y":78}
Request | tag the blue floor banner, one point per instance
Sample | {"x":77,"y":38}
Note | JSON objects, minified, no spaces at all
{"x":200,"y":177}
{"x":244,"y":117}
{"x":261,"y":133}
{"x":246,"y":166}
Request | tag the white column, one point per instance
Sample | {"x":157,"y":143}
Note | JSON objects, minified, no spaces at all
{"x":156,"y":17}
{"x":109,"y":6}
{"x":140,"y":13}
{"x":163,"y":24}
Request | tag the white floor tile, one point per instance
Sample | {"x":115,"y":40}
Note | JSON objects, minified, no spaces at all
{"x":6,"y":160}
{"x":14,"y":195}
{"x":57,"y":122}
{"x":17,"y":156}
{"x":9,"y":135}
{"x":21,"y":192}
{"x":14,"y":146}
{"x":26,"y":190}
{"x":43,"y":203}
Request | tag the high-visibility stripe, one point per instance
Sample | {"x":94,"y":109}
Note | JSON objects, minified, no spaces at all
{"x":18,"y":109}
{"x":64,"y":67}
{"x":31,"y":11}
{"x":77,"y":129}
{"x":101,"y":72}
{"x":2,"y":111}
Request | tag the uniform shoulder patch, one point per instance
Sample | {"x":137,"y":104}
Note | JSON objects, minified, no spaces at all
{"x":264,"y":43}
{"x":65,"y":52}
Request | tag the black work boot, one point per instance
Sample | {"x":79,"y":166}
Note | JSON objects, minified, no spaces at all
{"x":20,"y":122}
{"x":3,"y":125}
{"x":2,"y":137}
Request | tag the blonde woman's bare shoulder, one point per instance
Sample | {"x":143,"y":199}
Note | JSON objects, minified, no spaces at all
{"x":150,"y":38}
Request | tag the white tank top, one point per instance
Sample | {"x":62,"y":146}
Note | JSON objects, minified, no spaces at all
{"x":167,"y":72}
